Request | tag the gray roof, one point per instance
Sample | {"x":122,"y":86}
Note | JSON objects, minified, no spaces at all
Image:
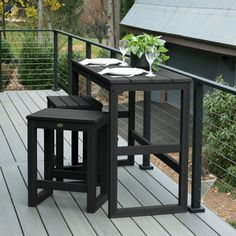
{"x":210,"y":20}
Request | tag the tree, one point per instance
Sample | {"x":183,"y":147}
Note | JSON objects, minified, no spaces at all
{"x":116,"y":10}
{"x":6,"y":9}
{"x":94,"y":15}
{"x":125,"y":6}
{"x":67,"y":17}
{"x":110,"y":23}
{"x":40,"y":21}
{"x":45,"y":7}
{"x":116,"y":21}
{"x":3,"y":2}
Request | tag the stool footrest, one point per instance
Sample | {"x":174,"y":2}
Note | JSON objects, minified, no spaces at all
{"x":72,"y":174}
{"x":69,"y":186}
{"x":69,"y":174}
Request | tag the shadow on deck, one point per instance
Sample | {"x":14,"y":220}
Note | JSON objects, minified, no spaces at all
{"x":165,"y":123}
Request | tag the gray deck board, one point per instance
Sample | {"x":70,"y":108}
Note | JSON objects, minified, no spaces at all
{"x":6,"y":154}
{"x":65,"y":213}
{"x":101,"y":223}
{"x":13,"y":138}
{"x":9,"y":224}
{"x":29,"y":217}
{"x":50,"y":213}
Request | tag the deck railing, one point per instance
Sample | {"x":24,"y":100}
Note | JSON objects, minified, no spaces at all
{"x":198,"y":125}
{"x":60,"y":47}
{"x":25,"y":60}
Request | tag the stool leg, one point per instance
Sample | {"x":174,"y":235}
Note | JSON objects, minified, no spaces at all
{"x":103,"y":152}
{"x":59,"y":151}
{"x":85,"y":154}
{"x":91,"y":170}
{"x":32,"y":164}
{"x":74,"y":148}
{"x":48,"y":155}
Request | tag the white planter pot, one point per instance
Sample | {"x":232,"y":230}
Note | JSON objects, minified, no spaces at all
{"x":206,"y":185}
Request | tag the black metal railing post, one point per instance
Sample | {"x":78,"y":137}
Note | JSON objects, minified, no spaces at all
{"x":1,"y":77}
{"x":146,"y":128}
{"x":55,"y":72}
{"x":70,"y":46}
{"x":88,"y":55}
{"x":197,"y":148}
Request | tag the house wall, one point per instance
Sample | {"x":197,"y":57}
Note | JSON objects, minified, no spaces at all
{"x":202,"y":63}
{"x":206,"y":64}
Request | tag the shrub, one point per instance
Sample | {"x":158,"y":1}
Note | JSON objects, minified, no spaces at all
{"x":63,"y":68}
{"x":35,"y":63}
{"x":6,"y":74}
{"x":103,"y":53}
{"x":7,"y":58}
{"x":219,"y":133}
{"x":223,"y":187}
{"x":233,"y":223}
{"x":230,"y":177}
{"x":6,"y":52}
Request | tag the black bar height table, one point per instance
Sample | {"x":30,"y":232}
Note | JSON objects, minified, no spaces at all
{"x":164,"y":80}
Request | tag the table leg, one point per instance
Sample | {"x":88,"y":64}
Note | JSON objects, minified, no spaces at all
{"x":131,"y":126}
{"x":146,"y":128}
{"x":113,"y":126}
{"x":131,"y":123}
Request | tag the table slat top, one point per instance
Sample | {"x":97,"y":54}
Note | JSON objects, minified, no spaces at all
{"x":163,"y":76}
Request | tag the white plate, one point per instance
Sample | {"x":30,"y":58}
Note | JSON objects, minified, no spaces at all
{"x":123,"y":71}
{"x":101,"y":61}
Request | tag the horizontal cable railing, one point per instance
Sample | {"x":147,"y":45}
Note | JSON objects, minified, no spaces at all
{"x":27,"y":59}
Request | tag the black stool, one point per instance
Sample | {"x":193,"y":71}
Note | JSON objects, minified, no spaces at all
{"x":94,"y":123}
{"x":82,"y":102}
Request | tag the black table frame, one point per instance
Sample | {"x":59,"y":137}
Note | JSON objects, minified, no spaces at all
{"x":115,"y":87}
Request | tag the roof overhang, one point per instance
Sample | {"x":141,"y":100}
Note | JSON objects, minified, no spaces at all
{"x":205,"y":45}
{"x":205,"y":25}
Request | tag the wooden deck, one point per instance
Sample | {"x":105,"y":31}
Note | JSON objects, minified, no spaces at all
{"x":65,"y":213}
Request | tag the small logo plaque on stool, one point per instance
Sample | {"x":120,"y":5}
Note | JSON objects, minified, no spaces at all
{"x":60,"y":125}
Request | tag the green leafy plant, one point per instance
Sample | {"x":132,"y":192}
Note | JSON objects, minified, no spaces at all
{"x":219,"y":134}
{"x":138,"y":44}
